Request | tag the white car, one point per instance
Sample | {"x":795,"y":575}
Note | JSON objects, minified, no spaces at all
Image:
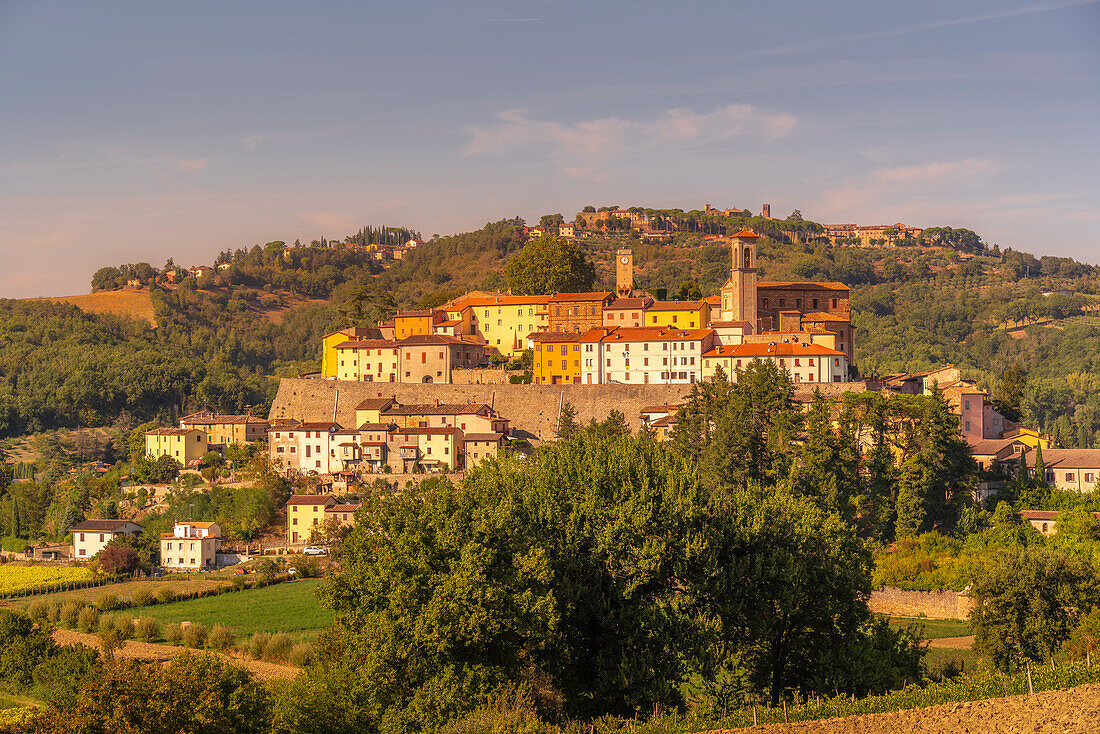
{"x":315,"y":550}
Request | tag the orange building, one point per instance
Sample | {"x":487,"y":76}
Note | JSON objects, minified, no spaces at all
{"x":577,"y":312}
{"x":417,"y":323}
{"x":557,"y":359}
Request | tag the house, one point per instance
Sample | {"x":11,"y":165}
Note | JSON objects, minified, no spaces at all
{"x":576,"y":312}
{"x":367,"y":360}
{"x":303,"y":513}
{"x":475,"y":417}
{"x":1071,"y":469}
{"x":185,"y":445}
{"x":626,"y":312}
{"x":223,"y":431}
{"x":805,"y":363}
{"x":191,"y":546}
{"x":330,"y":341}
{"x":678,"y":314}
{"x":49,"y":552}
{"x":310,"y":449}
{"x":343,"y":514}
{"x":417,"y":323}
{"x":92,"y":536}
{"x":633,"y":356}
{"x":500,"y":320}
{"x":1045,"y":521}
{"x":555,"y":358}
{"x":481,"y":446}
{"x":432,"y":449}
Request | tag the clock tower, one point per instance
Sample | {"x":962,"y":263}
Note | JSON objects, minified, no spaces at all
{"x":624,"y":272}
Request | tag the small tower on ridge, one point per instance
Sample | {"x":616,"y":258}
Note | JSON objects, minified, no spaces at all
{"x":739,"y":292}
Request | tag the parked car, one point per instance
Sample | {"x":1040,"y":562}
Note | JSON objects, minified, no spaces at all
{"x":315,"y":550}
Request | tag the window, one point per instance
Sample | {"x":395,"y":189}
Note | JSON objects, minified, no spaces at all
{"x":1088,"y":476}
{"x":797,"y":362}
{"x":1070,"y":476}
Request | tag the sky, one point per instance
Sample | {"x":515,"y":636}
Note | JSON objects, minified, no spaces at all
{"x":138,"y":131}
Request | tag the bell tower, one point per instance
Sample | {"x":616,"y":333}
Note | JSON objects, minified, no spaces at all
{"x":739,"y":292}
{"x":624,"y":272}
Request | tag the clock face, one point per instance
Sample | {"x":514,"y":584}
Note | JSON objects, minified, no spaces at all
{"x":624,"y":259}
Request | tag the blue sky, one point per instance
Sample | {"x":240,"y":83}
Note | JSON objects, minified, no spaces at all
{"x":135,"y":131}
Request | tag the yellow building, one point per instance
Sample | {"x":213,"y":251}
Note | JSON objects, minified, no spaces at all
{"x":1029,"y":437}
{"x":329,"y":359}
{"x":556,"y":359}
{"x":680,"y":314}
{"x":182,"y":444}
{"x":503,"y":322}
{"x":368,"y":360}
{"x":303,"y":513}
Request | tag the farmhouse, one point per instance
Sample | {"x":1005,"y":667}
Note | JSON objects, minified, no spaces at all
{"x":92,"y":536}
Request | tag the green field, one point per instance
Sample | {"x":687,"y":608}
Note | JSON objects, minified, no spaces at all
{"x":935,"y":629}
{"x":287,"y":607}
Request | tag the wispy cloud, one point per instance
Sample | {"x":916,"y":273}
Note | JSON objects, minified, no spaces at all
{"x":887,"y":190}
{"x":819,"y":43}
{"x":193,"y":165}
{"x":254,"y":141}
{"x":932,"y":172}
{"x":580,"y":148}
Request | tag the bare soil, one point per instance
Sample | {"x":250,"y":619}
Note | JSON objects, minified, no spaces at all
{"x":1071,"y":711}
{"x":953,"y":643}
{"x":150,"y":651}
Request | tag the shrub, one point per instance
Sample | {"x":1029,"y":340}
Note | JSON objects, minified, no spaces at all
{"x":88,"y":619}
{"x":106,"y":602}
{"x":165,"y":596}
{"x":70,"y":613}
{"x":194,"y":636}
{"x":38,"y":610}
{"x":220,"y":638}
{"x":239,"y":582}
{"x":109,"y":641}
{"x":173,"y":634}
{"x":53,"y":612}
{"x":256,"y":645}
{"x":301,"y":654}
{"x":141,"y":598}
{"x":147,"y":630}
{"x":278,"y":647}
{"x":124,"y":626}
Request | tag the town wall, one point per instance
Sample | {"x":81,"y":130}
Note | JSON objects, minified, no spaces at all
{"x":931,"y":604}
{"x":533,"y":409}
{"x":463,"y":376}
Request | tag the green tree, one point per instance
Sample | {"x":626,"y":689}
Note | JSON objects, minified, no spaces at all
{"x":549,"y":264}
{"x":1027,"y":602}
{"x":567,"y":422}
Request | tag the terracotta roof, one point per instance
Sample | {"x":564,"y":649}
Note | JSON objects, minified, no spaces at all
{"x":484,"y":436}
{"x":310,"y":499}
{"x":669,"y":408}
{"x":377,"y":427}
{"x":793,"y":349}
{"x":664,"y":422}
{"x":356,"y":332}
{"x":101,"y":526}
{"x":561,"y":297}
{"x":417,"y":314}
{"x":546,"y":336}
{"x":342,"y":508}
{"x":676,"y":305}
{"x":1071,"y":458}
{"x":210,"y":420}
{"x":620,"y":304}
{"x":367,"y":344}
{"x":804,"y":285}
{"x":822,"y":316}
{"x":318,"y":426}
{"x":170,"y":431}
{"x":375,"y":404}
{"x":417,"y":340}
{"x":479,"y":301}
{"x":438,"y":409}
{"x":450,"y":322}
{"x":1038,"y":514}
{"x":992,"y":446}
{"x":655,"y":333}
{"x":715,"y":300}
{"x":746,"y":233}
{"x":440,"y":431}
{"x":727,"y":324}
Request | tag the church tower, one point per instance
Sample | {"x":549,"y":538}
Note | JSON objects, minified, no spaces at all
{"x":739,"y":292}
{"x":624,"y":272}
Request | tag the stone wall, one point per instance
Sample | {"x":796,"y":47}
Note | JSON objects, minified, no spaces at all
{"x":482,"y":376}
{"x":533,"y":409}
{"x":931,"y":604}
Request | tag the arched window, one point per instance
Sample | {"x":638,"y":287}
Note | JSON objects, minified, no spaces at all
{"x":748,"y":256}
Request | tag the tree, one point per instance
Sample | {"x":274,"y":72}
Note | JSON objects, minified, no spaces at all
{"x":549,"y":264}
{"x":1009,"y":395}
{"x":1027,"y":602}
{"x":688,"y":291}
{"x":551,"y":221}
{"x":567,"y":422}
{"x":117,"y":558}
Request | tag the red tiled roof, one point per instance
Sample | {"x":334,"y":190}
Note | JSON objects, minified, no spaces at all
{"x":310,"y":499}
{"x":561,"y":297}
{"x":101,"y":526}
{"x":805,"y":285}
{"x":170,"y":431}
{"x":656,"y":333}
{"x":772,"y":350}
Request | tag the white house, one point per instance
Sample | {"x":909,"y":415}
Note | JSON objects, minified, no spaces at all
{"x":92,"y":536}
{"x":191,"y":546}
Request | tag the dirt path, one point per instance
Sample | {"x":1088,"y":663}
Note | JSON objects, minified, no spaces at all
{"x":953,"y":643}
{"x":149,"y":651}
{"x":1072,"y":711}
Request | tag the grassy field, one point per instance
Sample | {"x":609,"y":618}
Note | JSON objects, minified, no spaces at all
{"x":288,"y":607}
{"x":20,"y":578}
{"x":935,"y":629}
{"x":130,"y":302}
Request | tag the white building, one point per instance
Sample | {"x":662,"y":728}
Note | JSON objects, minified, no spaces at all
{"x":307,"y":448}
{"x":644,"y":356}
{"x":92,"y":536}
{"x":805,"y":363}
{"x":191,"y":546}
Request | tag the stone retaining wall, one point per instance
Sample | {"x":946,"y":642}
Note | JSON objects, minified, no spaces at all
{"x":931,"y":604}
